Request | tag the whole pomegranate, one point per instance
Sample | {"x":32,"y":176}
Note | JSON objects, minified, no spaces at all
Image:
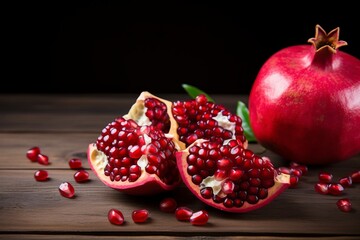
{"x":305,"y":102}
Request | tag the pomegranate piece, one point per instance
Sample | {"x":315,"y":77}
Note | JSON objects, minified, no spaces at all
{"x":345,"y":181}
{"x":75,"y":163}
{"x":138,"y":160}
{"x":183,"y":213}
{"x":335,"y":189}
{"x":43,"y":159}
{"x":140,"y":216}
{"x":344,"y":204}
{"x":115,"y":217}
{"x":41,"y":175}
{"x":322,"y":188}
{"x":279,"y":100}
{"x":325,"y":177}
{"x":199,"y":218}
{"x":168,"y":205}
{"x":355,"y":176}
{"x":237,"y":181}
{"x":81,"y":176}
{"x":33,"y":153}
{"x":67,"y":190}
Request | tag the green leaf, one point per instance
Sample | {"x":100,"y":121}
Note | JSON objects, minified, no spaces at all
{"x":243,"y":112}
{"x":194,"y":92}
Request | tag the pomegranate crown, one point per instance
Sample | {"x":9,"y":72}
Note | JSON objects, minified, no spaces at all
{"x":327,"y":40}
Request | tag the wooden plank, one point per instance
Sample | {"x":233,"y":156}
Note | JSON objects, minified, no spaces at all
{"x":27,"y":205}
{"x":74,"y":113}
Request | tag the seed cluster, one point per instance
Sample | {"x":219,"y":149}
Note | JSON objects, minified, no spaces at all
{"x":229,"y":174}
{"x":131,"y":148}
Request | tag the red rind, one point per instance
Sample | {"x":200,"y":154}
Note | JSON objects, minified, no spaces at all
{"x":147,"y":184}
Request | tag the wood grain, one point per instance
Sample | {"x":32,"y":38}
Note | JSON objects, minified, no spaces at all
{"x":35,"y":210}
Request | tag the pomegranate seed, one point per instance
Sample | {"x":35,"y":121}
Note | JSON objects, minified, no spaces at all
{"x":41,"y":175}
{"x":325,"y":177}
{"x":303,"y":168}
{"x":75,"y":163}
{"x":355,"y":176}
{"x":199,"y":218}
{"x":33,"y":153}
{"x":140,"y":216}
{"x":322,"y":188}
{"x":335,"y":189}
{"x":183,"y":213}
{"x":43,"y":159}
{"x":168,"y":205}
{"x":67,"y":190}
{"x":294,"y":180}
{"x":115,"y":217}
{"x":346,"y":181}
{"x":344,"y":204}
{"x":81,"y":176}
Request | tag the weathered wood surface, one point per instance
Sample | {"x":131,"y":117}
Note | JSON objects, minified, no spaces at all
{"x":64,"y":125}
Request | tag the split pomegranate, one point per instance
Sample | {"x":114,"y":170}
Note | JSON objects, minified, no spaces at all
{"x":229,"y":177}
{"x":115,"y":217}
{"x":304,"y":102}
{"x":135,"y":159}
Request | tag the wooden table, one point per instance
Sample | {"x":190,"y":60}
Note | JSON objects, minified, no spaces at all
{"x":63,"y":126}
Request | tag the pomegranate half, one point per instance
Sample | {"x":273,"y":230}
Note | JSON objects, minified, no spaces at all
{"x":304,"y":104}
{"x":229,"y":177}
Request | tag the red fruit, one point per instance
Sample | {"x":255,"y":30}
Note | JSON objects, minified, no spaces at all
{"x":345,"y":181}
{"x":344,"y":204}
{"x":183,"y":213}
{"x":322,"y":188}
{"x":199,"y":218}
{"x":75,"y":163}
{"x":41,"y":175}
{"x":43,"y":159}
{"x":67,"y":190}
{"x":33,"y":153}
{"x":335,"y":189}
{"x":115,"y":217}
{"x":168,"y":205}
{"x":81,"y":176}
{"x":237,"y":181}
{"x":305,"y":98}
{"x":140,"y":216}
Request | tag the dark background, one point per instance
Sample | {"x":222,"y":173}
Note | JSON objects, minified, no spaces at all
{"x":131,"y":46}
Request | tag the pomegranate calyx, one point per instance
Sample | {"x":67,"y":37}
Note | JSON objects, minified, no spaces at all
{"x":327,"y":40}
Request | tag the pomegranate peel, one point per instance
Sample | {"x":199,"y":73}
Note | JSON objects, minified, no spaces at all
{"x":229,"y":198}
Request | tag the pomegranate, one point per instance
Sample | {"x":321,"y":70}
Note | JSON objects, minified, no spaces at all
{"x":139,"y":160}
{"x":304,"y":102}
{"x":229,"y":177}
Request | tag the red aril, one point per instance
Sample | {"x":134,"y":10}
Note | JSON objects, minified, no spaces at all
{"x":115,"y":217}
{"x":43,"y":159}
{"x":304,"y":103}
{"x":183,"y":213}
{"x":32,"y":153}
{"x":75,"y":163}
{"x":168,"y":205}
{"x":81,"y":176}
{"x":335,"y":189}
{"x":344,"y":204}
{"x":355,"y":176}
{"x":67,"y":190}
{"x":322,"y":188}
{"x":199,"y":218}
{"x":41,"y":175}
{"x":140,"y":215}
{"x":325,"y":177}
{"x":345,"y":181}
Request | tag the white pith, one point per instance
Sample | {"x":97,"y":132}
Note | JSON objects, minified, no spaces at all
{"x":211,"y":182}
{"x":224,"y":122}
{"x":99,"y":159}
